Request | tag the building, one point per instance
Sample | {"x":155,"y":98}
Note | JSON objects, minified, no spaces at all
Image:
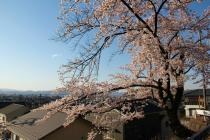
{"x":8,"y":114}
{"x":28,"y":127}
{"x":154,"y":124}
{"x":193,"y":100}
{"x":11,"y":112}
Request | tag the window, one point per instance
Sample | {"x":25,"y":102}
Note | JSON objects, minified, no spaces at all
{"x":190,"y":112}
{"x":4,"y":119}
{"x":17,"y":138}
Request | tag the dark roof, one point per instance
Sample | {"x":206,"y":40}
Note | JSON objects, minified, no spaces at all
{"x":30,"y":127}
{"x":4,"y":104}
{"x":196,"y":92}
{"x":114,"y":115}
{"x":13,"y":111}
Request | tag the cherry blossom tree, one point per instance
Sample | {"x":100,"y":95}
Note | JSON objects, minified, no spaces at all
{"x":160,"y":36}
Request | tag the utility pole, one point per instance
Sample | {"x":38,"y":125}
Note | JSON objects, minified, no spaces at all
{"x":204,"y":71}
{"x":205,"y":74}
{"x":206,"y":82}
{"x":204,"y":88}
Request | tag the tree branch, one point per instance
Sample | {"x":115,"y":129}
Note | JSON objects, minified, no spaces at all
{"x":189,"y":69}
{"x":137,"y":16}
{"x":172,"y":38}
{"x":175,"y":55}
{"x":156,"y":17}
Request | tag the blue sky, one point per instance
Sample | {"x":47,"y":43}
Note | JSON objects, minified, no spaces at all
{"x":29,"y":58}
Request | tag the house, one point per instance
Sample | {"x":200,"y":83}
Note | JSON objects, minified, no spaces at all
{"x":11,"y":112}
{"x":28,"y":127}
{"x":193,"y":100}
{"x":153,"y":125}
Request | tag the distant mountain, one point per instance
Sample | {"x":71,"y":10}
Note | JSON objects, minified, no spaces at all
{"x":30,"y":92}
{"x":6,"y":89}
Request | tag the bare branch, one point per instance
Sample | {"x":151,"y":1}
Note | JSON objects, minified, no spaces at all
{"x":156,"y":16}
{"x":137,"y":16}
{"x":190,"y":67}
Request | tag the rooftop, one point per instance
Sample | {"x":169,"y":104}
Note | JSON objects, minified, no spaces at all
{"x":12,"y":111}
{"x":196,"y":92}
{"x":28,"y":126}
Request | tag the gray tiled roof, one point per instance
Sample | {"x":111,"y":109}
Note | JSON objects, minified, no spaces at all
{"x":196,"y":92}
{"x":13,"y":111}
{"x":29,"y":128}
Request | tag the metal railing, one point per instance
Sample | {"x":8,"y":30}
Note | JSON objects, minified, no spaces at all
{"x":201,"y":135}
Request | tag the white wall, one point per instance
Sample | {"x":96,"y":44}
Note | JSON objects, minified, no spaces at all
{"x":14,"y":137}
{"x":190,"y":110}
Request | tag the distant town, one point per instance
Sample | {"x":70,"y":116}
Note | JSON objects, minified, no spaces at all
{"x":30,"y":99}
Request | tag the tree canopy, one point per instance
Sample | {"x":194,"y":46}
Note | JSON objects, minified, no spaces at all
{"x":166,"y":39}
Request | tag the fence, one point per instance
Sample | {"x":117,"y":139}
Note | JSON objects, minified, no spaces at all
{"x":201,"y":135}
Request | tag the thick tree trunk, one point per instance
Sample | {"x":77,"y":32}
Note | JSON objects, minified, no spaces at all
{"x":176,"y":126}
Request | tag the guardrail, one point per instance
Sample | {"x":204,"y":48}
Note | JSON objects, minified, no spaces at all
{"x":201,"y":135}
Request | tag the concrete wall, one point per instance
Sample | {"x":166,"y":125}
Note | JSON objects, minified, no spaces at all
{"x":2,"y":118}
{"x":190,"y":110}
{"x":78,"y":130}
{"x":15,"y":137}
